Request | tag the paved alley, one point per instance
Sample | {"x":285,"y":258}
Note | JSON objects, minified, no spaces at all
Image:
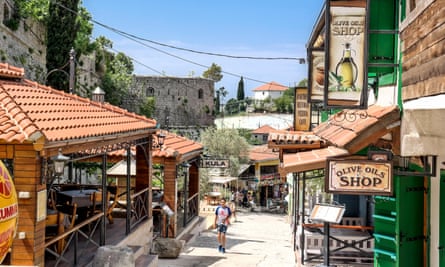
{"x":255,"y":239}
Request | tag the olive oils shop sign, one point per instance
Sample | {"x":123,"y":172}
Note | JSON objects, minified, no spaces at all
{"x":364,"y":177}
{"x":346,"y":69}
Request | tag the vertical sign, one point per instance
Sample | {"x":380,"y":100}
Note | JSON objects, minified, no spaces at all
{"x":346,"y":76}
{"x":316,"y":74}
{"x":302,"y":110}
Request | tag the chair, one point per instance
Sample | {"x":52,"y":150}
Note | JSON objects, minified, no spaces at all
{"x":52,"y":199}
{"x":70,"y":212}
{"x":96,"y":207}
{"x":57,"y":221}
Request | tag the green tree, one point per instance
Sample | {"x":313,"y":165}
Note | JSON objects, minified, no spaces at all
{"x":117,"y":79}
{"x":303,"y":83}
{"x":240,"y":92}
{"x":82,"y":43}
{"x":284,"y":103}
{"x":36,"y":9}
{"x":213,"y":73}
{"x":62,"y":27}
{"x":148,"y":107}
{"x":220,"y":93}
{"x":103,"y":57}
{"x":228,"y":144}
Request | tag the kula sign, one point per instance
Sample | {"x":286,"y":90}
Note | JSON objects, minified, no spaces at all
{"x":364,"y":177}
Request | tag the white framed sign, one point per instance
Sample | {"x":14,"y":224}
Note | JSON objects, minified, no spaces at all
{"x":327,"y":213}
{"x":215,"y":163}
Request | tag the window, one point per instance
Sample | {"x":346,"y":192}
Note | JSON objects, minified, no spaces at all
{"x":200,"y":94}
{"x":150,"y":91}
{"x":5,"y":13}
{"x":412,"y":5}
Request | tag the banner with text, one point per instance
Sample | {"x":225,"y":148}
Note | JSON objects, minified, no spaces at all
{"x":363,"y":177}
{"x":345,"y":81}
{"x":302,"y":111}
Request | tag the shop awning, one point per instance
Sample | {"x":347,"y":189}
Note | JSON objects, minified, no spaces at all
{"x":345,"y":133}
{"x":423,"y":126}
{"x":243,"y":168}
{"x":221,"y":179}
{"x":309,"y":160}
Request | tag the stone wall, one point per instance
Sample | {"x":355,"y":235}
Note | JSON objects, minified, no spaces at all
{"x":179,"y":101}
{"x":24,"y":47}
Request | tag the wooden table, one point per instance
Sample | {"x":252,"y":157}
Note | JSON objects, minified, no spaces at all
{"x":81,"y":197}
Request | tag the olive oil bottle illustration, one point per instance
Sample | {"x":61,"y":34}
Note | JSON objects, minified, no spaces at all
{"x":346,"y":70}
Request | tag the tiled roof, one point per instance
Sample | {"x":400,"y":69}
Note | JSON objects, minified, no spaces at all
{"x":9,"y":71}
{"x":349,"y":129}
{"x":29,"y":110}
{"x":309,"y":160}
{"x":272,"y":86}
{"x":262,"y":153}
{"x":295,"y":140}
{"x":265,"y":129}
{"x":177,"y":146}
{"x":346,"y":132}
{"x":356,"y":129}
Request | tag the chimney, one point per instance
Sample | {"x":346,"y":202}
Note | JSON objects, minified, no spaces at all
{"x":98,"y":95}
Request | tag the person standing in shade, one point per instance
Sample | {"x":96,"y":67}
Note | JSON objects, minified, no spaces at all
{"x":222,"y":217}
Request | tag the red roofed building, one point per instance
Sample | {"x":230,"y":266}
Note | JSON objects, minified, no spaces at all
{"x":261,"y":134}
{"x":36,"y":123}
{"x":270,"y":90}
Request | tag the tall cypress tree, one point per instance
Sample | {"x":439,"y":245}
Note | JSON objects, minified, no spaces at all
{"x":61,"y":33}
{"x":240,"y":92}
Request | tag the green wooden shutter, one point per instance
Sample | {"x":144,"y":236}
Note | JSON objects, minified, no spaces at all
{"x":399,"y":224}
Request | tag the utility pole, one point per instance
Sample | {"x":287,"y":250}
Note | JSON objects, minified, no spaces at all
{"x":72,"y":70}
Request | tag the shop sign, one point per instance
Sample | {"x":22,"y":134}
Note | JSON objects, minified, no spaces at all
{"x":366,"y":177}
{"x":346,"y":82}
{"x":316,"y":74}
{"x":8,"y":211}
{"x":302,"y":110}
{"x":214,"y":163}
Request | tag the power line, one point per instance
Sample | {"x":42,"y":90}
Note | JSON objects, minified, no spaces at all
{"x":139,"y":40}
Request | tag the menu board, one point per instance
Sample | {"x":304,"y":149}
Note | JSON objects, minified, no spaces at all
{"x":327,"y":213}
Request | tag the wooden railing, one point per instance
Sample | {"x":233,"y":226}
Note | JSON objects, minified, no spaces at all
{"x":139,"y":207}
{"x":87,"y":229}
{"x":192,"y":207}
{"x":71,"y":236}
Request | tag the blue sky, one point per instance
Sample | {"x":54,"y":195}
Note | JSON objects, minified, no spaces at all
{"x":256,"y":28}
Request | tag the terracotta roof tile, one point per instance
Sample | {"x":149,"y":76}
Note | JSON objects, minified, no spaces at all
{"x":9,"y":71}
{"x":309,"y":160}
{"x":345,"y":132}
{"x":262,"y":153}
{"x":346,"y":128}
{"x":177,"y":146}
{"x":29,"y":110}
{"x":272,"y":86}
{"x":265,"y":129}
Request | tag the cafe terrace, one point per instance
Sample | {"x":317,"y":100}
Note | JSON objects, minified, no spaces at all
{"x":39,"y":126}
